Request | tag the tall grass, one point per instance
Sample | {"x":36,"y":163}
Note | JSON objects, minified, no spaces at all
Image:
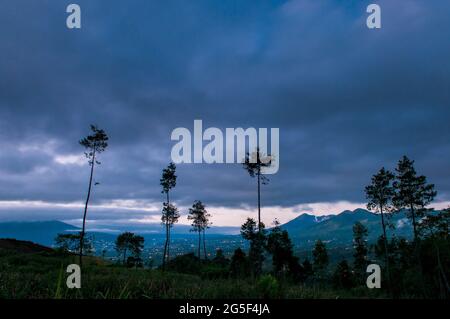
{"x":40,"y":276}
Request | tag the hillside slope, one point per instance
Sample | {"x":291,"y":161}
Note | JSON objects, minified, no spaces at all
{"x":24,"y":247}
{"x":43,"y":232}
{"x":338,"y":230}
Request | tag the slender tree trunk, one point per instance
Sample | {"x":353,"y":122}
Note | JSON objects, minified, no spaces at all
{"x":386,"y":251}
{"x":259,"y":200}
{"x":204,"y":244}
{"x":199,"y":243}
{"x":85,"y":209}
{"x":168,"y":231}
{"x":413,"y":215}
{"x":417,"y":252}
{"x":417,"y":247}
{"x":168,"y":242}
{"x":165,"y":248}
{"x":167,"y":237}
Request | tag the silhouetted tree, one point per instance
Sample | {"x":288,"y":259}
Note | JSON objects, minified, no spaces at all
{"x":220,"y":258}
{"x":170,"y":216}
{"x":71,"y":243}
{"x":200,"y":221}
{"x":239,"y":266}
{"x":402,"y":264}
{"x":137,"y":246}
{"x":95,"y":143}
{"x":254,"y":164}
{"x":307,"y":268}
{"x":169,"y":212}
{"x":342,"y":276}
{"x":320,"y":259}
{"x":185,"y":264}
{"x":249,"y":229}
{"x":123,"y":245}
{"x":257,"y":238}
{"x":206,"y":224}
{"x":280,"y":246}
{"x":360,"y":250}
{"x":436,"y":229}
{"x":379,"y":195}
{"x":412,"y":192}
{"x":436,"y":225}
{"x":129,"y":242}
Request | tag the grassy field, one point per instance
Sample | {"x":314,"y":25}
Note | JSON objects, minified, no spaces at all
{"x":43,"y":275}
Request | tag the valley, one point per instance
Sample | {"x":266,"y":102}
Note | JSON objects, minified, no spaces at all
{"x":334,"y":230}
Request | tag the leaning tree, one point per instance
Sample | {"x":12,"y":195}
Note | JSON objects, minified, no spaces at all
{"x":95,"y":143}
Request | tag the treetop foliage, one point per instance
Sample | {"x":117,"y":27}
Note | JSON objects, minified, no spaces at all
{"x":169,"y":178}
{"x":95,"y":143}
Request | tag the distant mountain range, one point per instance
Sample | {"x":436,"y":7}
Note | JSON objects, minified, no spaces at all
{"x":42,"y":233}
{"x":337,"y":230}
{"x":304,"y":230}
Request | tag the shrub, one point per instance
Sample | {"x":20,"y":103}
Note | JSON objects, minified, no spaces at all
{"x":268,"y":287}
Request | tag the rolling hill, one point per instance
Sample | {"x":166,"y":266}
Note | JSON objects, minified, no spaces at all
{"x":43,"y":232}
{"x":337,"y":230}
{"x":24,"y":247}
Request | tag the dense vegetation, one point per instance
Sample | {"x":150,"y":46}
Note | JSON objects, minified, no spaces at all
{"x":42,"y":275}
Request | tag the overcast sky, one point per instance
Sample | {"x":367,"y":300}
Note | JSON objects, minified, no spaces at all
{"x":347,"y":100}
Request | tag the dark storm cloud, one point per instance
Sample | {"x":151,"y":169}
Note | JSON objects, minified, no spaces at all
{"x":347,"y":100}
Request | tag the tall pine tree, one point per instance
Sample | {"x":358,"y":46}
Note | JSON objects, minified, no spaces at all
{"x":320,"y":259}
{"x":412,"y":192}
{"x":257,"y":238}
{"x":170,"y":213}
{"x":379,"y":195}
{"x":360,"y":250}
{"x":95,"y":143}
{"x":200,"y":221}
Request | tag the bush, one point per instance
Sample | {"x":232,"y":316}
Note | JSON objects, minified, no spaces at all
{"x":268,"y":287}
{"x":185,"y":264}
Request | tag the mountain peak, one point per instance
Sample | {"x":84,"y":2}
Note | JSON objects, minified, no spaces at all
{"x":304,"y":220}
{"x":304,"y":215}
{"x":360,"y":210}
{"x":353,"y":212}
